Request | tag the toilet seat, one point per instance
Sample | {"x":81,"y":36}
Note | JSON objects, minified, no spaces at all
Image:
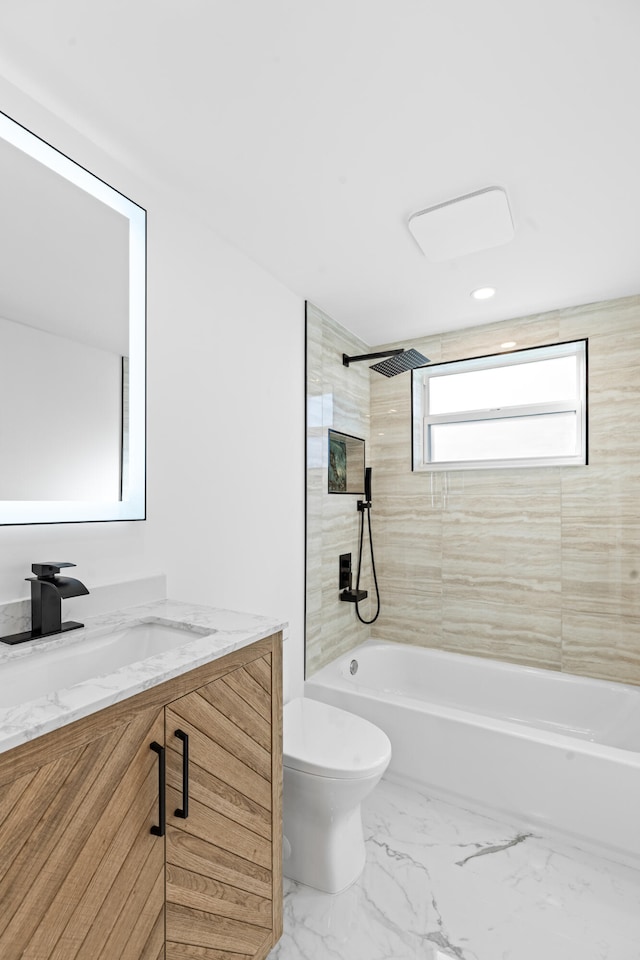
{"x":326,"y":741}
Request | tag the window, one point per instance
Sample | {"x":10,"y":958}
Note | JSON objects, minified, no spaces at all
{"x":520,"y":409}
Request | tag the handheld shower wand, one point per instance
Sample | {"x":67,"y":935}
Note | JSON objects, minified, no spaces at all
{"x":364,"y":506}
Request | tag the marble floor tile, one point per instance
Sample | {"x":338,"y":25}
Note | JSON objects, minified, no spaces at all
{"x":441,"y":882}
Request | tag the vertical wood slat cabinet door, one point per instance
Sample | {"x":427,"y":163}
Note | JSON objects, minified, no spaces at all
{"x":223,"y":861}
{"x":81,"y":876}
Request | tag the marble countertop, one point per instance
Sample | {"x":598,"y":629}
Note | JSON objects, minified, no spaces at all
{"x":209,"y":633}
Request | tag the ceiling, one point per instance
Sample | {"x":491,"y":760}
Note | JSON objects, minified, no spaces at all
{"x":307,"y":132}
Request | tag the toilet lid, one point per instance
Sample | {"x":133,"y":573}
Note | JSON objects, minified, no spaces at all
{"x":329,"y":742}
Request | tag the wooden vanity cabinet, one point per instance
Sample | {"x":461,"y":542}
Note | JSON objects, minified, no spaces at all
{"x":80,"y":874}
{"x":82,"y":877}
{"x":220,"y":858}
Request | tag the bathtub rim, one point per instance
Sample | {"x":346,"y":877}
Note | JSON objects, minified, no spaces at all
{"x":519,"y":729}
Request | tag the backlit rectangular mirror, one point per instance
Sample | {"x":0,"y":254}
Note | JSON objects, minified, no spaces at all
{"x":346,"y":463}
{"x":72,"y":340}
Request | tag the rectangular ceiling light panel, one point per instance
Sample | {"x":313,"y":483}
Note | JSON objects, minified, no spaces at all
{"x":465,"y":225}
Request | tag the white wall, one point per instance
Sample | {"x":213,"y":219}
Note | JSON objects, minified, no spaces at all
{"x":225,"y":423}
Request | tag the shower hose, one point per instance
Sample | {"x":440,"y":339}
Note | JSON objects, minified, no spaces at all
{"x":366,"y":508}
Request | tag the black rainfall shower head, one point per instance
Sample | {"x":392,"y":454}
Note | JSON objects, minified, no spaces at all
{"x":397,"y":361}
{"x":407,"y":360}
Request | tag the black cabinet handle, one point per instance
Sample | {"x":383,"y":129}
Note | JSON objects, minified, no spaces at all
{"x":159,"y":831}
{"x":183,"y":811}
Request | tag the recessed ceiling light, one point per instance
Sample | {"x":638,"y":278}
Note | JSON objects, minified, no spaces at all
{"x":483,"y":293}
{"x":507,"y":344}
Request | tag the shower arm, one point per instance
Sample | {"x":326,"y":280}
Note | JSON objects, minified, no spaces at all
{"x":346,"y":360}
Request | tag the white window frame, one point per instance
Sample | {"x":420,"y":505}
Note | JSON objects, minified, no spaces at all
{"x":423,"y":420}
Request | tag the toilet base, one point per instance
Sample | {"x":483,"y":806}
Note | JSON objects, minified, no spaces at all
{"x":322,"y":822}
{"x":328,"y":863}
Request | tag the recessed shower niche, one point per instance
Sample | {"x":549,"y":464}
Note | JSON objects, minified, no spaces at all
{"x":346,"y":463}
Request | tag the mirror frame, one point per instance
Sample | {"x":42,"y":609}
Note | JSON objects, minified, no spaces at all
{"x":134,"y":506}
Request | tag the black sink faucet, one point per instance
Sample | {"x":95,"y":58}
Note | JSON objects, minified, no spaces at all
{"x":47,"y":593}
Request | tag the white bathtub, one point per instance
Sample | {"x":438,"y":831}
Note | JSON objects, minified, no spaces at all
{"x":551,"y":751}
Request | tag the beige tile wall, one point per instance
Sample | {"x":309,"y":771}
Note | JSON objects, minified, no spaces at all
{"x":538,"y":566}
{"x":337,"y":397}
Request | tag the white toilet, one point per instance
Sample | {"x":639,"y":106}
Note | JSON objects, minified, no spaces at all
{"x":332,"y":759}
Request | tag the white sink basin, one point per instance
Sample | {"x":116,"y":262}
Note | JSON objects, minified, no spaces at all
{"x":45,"y":671}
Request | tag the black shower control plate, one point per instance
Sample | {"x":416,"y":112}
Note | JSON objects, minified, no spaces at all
{"x":345,"y":572}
